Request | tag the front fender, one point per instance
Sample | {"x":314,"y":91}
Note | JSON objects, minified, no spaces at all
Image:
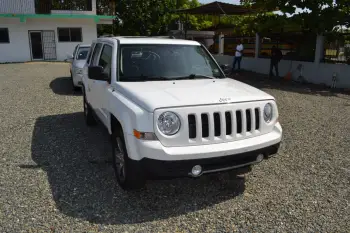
{"x":130,"y":115}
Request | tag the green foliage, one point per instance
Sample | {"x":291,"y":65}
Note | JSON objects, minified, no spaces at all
{"x":322,"y":15}
{"x":153,"y":17}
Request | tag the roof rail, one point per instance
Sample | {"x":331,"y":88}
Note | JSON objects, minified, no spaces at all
{"x":107,"y":35}
{"x":170,"y":37}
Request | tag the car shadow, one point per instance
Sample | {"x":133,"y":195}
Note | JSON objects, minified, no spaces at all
{"x":63,"y":86}
{"x":263,"y":81}
{"x":77,"y":161}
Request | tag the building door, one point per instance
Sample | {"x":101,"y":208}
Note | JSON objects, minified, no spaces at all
{"x":36,"y":45}
{"x":49,"y":45}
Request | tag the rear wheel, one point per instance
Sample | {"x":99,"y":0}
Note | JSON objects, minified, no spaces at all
{"x":88,"y":115}
{"x":128,"y":172}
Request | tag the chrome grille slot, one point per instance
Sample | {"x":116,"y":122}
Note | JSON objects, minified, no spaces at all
{"x":217,"y":124}
{"x":228,"y":119}
{"x":192,"y":126}
{"x":239,"y":122}
{"x":257,"y":118}
{"x":249,"y":120}
{"x":205,"y":125}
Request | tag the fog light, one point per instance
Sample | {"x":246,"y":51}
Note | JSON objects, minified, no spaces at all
{"x":260,"y":158}
{"x":196,"y":170}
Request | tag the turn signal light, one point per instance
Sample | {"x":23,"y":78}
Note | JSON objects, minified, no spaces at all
{"x":145,"y":135}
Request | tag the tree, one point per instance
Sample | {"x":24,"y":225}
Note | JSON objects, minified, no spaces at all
{"x":153,"y":17}
{"x":143,"y":17}
{"x":318,"y":16}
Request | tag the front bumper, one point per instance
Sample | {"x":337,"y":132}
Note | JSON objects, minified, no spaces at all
{"x":158,"y":160}
{"x":182,"y":168}
{"x":78,"y":80}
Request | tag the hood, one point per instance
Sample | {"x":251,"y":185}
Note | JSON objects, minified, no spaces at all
{"x":161,"y":94}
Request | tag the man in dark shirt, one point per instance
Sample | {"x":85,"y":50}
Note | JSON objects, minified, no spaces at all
{"x":276,"y":56}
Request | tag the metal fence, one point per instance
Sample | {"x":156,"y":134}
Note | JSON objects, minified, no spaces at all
{"x":230,"y":44}
{"x":300,"y":47}
{"x":337,"y":49}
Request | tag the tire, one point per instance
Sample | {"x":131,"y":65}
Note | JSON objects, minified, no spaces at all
{"x":128,"y":173}
{"x":88,"y":114}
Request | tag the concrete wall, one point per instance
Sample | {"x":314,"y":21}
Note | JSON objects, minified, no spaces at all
{"x":18,"y":49}
{"x":318,"y":73}
{"x":17,"y":6}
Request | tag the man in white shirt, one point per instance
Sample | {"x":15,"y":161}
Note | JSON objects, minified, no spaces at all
{"x":238,"y":56}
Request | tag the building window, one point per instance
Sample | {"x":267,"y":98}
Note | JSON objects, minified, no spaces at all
{"x":69,"y":35}
{"x":4,"y":35}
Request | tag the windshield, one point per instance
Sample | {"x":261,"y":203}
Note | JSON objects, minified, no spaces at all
{"x":165,"y":62}
{"x":82,"y":53}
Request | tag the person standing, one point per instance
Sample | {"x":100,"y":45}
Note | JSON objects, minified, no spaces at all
{"x":238,"y":56}
{"x":276,"y":57}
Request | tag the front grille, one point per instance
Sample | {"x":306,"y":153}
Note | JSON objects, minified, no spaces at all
{"x":223,"y":124}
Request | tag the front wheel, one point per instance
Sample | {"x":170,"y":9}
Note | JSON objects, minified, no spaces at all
{"x":128,"y":172}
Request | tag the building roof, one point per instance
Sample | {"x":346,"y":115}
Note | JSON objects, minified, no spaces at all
{"x":218,"y":8}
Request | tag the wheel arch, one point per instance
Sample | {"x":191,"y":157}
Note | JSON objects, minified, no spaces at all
{"x":114,"y":124}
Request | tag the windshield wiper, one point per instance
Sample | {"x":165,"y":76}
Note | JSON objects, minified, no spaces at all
{"x":144,"y":78}
{"x":195,"y":76}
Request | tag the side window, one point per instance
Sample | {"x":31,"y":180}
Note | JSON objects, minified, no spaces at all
{"x":90,"y":53}
{"x":95,"y":54}
{"x":106,"y":60}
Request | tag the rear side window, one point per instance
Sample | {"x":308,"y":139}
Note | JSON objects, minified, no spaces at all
{"x":95,"y":54}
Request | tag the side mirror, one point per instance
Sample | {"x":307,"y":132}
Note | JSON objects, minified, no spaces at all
{"x":69,"y":58}
{"x":97,"y":73}
{"x":225,"y":68}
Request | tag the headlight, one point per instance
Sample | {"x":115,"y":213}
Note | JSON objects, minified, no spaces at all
{"x":168,"y":123}
{"x":268,"y":113}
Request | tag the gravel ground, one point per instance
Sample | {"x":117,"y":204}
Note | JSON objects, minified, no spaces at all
{"x":55,"y":173}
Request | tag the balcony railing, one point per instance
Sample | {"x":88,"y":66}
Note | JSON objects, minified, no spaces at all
{"x":45,"y":6}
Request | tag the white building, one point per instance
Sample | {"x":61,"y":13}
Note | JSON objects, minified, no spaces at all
{"x":46,"y":29}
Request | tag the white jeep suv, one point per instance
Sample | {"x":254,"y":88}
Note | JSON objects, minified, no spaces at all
{"x":171,"y":111}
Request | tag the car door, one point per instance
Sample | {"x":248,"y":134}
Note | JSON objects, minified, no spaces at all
{"x":90,"y":92}
{"x":100,"y":88}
